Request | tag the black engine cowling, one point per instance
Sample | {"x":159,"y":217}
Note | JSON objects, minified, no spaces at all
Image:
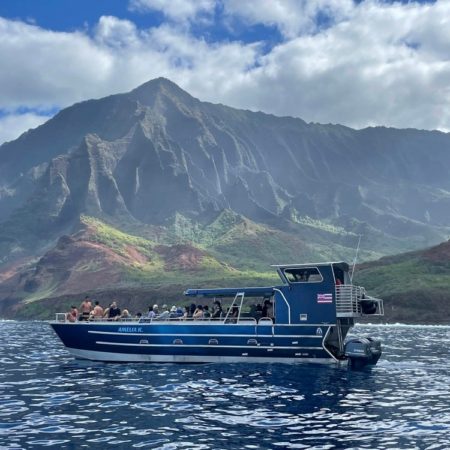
{"x":362,"y":352}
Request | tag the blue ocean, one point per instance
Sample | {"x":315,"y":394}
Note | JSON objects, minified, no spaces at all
{"x":48,"y":399}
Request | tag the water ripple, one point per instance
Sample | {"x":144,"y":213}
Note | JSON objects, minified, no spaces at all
{"x":47,"y":399}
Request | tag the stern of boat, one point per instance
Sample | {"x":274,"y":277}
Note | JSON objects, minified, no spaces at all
{"x":352,"y":303}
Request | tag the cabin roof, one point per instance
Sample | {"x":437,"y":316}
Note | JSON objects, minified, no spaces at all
{"x":231,"y":292}
{"x":320,"y":264}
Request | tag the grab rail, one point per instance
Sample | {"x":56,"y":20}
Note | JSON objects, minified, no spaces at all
{"x":352,"y":301}
{"x":62,"y":317}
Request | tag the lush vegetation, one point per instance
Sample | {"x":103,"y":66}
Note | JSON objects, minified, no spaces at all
{"x":158,"y":265}
{"x":415,"y":288}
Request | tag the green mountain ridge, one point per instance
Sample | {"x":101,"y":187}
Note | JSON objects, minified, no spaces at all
{"x":155,"y":188}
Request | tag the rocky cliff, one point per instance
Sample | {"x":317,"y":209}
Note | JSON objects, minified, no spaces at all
{"x":160,"y":164}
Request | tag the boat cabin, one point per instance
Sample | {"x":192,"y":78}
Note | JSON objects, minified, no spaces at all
{"x":309,"y":294}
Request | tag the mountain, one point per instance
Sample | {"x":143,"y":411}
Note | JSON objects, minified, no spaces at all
{"x":243,"y":189}
{"x":414,"y":285}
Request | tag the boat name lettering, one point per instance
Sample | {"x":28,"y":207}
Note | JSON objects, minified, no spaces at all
{"x":130,"y":330}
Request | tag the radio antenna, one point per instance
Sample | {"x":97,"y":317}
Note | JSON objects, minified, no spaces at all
{"x":356,"y":257}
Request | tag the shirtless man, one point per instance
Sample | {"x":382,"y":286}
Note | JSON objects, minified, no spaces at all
{"x":85,"y":308}
{"x":72,"y":315}
{"x":97,"y":312}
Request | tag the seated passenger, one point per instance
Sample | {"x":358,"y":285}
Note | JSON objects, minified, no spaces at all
{"x":72,"y":315}
{"x":186,"y":313}
{"x":217,"y":310}
{"x":198,"y":313}
{"x":125,"y":315}
{"x":258,"y":311}
{"x":97,"y":312}
{"x":206,"y":313}
{"x":173,"y":312}
{"x":165,"y":314}
{"x":114,"y":311}
{"x":153,"y":312}
{"x":267,"y":310}
{"x":233,"y":314}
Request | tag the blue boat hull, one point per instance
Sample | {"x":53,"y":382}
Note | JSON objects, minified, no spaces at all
{"x":183,"y":342}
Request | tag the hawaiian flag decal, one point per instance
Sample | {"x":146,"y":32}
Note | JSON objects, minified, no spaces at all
{"x":324,"y":298}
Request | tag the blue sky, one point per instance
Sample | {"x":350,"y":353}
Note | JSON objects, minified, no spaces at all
{"x":360,"y":64}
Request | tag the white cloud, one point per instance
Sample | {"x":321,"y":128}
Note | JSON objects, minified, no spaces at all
{"x":177,"y":10}
{"x":375,"y":64}
{"x":291,"y":17}
{"x":13,"y":125}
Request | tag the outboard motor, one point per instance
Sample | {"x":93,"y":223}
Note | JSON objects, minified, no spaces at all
{"x":362,"y":352}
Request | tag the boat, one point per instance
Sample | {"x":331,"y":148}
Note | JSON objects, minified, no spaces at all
{"x":307,"y":319}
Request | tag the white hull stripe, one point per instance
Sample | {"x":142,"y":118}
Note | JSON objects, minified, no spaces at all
{"x":127,"y":357}
{"x":247,"y":347}
{"x":179,"y":323}
{"x":175,"y":335}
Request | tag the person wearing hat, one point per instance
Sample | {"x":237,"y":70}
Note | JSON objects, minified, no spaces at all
{"x":173,"y":312}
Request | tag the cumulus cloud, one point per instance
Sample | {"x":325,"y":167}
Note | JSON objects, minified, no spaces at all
{"x":372,"y":63}
{"x":291,"y":17}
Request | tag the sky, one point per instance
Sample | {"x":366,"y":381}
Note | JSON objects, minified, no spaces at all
{"x":358,"y":63}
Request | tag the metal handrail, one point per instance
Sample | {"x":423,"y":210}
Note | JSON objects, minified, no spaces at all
{"x":62,"y":317}
{"x":349,"y":300}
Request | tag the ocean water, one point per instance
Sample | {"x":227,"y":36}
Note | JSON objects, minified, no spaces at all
{"x":48,"y":399}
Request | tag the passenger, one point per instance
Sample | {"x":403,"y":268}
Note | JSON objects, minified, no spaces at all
{"x":138,"y":315}
{"x":192,"y":310}
{"x":176,"y":313}
{"x":114,"y":311}
{"x":217,"y":310}
{"x":85,"y":308}
{"x":125,"y":315}
{"x":97,"y":312}
{"x":258,"y":311}
{"x":106,"y":312}
{"x":72,"y":315}
{"x":149,"y":312}
{"x":233,"y":314}
{"x":198,"y":313}
{"x":186,"y":313}
{"x":267,"y":310}
{"x":165,"y":313}
{"x":338,"y":281}
{"x":206,"y":313}
{"x":154,"y":312}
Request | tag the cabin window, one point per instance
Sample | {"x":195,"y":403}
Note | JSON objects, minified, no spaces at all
{"x":303,"y":275}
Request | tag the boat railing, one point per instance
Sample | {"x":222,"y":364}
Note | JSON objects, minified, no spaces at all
{"x":62,"y":317}
{"x":352,"y":301}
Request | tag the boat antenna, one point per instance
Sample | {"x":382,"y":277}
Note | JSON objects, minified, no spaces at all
{"x":356,"y":257}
